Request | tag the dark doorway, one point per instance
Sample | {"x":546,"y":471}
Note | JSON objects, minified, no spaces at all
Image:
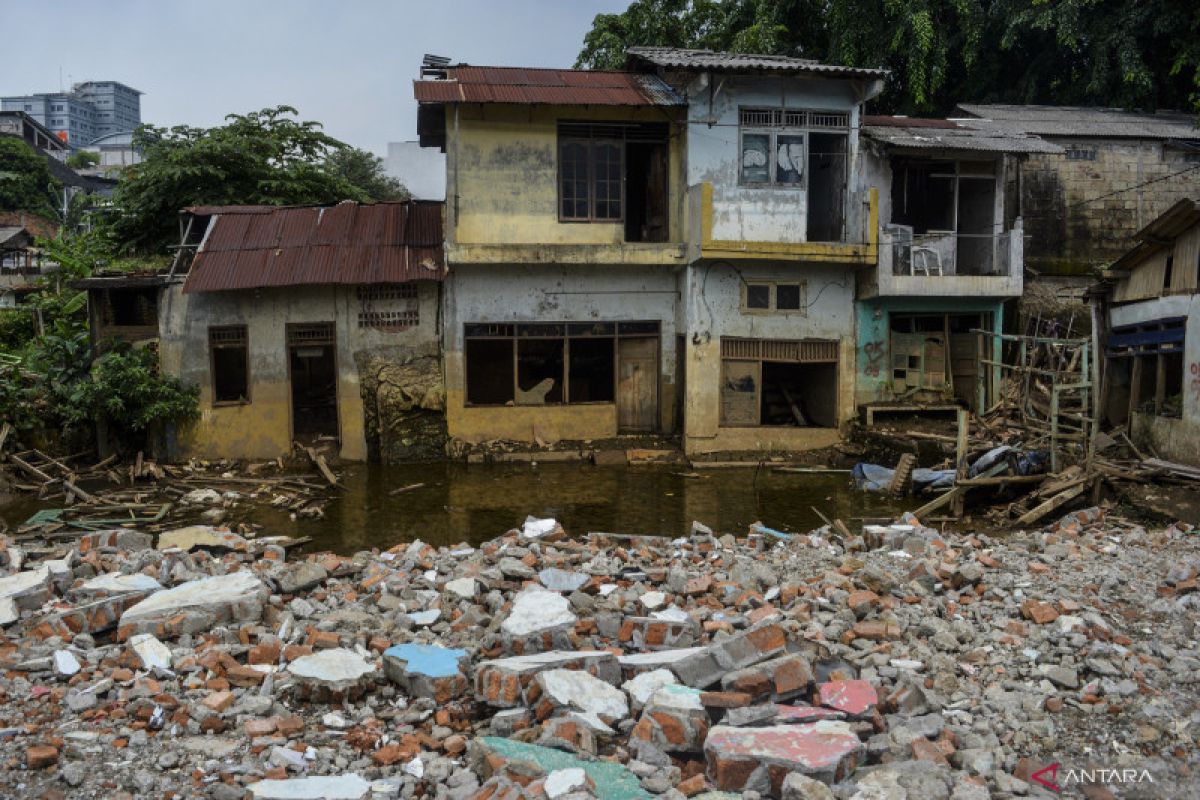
{"x":826,"y":186}
{"x":803,"y":395}
{"x":646,"y":192}
{"x":312,"y":364}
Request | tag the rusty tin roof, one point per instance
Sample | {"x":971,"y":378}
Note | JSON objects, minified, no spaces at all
{"x":560,"y":87}
{"x":348,"y":243}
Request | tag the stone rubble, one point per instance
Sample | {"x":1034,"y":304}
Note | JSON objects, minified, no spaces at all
{"x":904,"y":664}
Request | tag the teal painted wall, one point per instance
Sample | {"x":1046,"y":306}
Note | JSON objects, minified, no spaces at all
{"x":873,"y":353}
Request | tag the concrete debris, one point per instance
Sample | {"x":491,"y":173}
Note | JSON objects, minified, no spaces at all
{"x":534,"y":665}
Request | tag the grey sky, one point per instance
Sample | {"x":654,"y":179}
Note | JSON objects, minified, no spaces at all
{"x":348,"y":64}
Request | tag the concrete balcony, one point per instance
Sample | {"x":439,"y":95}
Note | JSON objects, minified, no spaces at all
{"x":947,"y":264}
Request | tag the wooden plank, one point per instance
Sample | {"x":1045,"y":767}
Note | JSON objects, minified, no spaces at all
{"x":319,"y":460}
{"x":1057,"y":501}
{"x":32,"y":470}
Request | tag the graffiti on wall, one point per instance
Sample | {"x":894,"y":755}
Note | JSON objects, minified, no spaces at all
{"x":874,"y":351}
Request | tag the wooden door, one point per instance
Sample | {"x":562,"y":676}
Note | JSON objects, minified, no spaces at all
{"x":637,"y":385}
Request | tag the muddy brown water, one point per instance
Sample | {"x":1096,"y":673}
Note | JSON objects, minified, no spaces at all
{"x":474,"y":503}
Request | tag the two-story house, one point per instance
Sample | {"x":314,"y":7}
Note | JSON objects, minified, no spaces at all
{"x":669,"y":247}
{"x":565,"y":244}
{"x":950,"y":257}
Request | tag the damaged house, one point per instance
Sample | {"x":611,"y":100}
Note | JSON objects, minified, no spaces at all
{"x":298,"y":324}
{"x":668,"y":248}
{"x":951,"y":255}
{"x":1149,"y":307}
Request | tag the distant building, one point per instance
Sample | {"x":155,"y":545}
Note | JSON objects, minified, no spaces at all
{"x":33,"y":133}
{"x":116,"y":152}
{"x":90,"y":110}
{"x":421,"y":170}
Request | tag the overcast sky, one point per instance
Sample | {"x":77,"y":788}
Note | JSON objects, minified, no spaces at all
{"x":347,"y":64}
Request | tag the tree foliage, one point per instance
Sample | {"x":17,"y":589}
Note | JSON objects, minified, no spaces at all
{"x":267,"y":157}
{"x":25,"y":180}
{"x":364,"y":171}
{"x":1131,"y":53}
{"x":83,"y":159}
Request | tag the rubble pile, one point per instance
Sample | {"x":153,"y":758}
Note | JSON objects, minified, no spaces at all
{"x":902,"y":664}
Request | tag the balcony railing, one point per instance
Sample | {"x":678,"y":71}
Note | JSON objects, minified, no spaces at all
{"x":949,"y":253}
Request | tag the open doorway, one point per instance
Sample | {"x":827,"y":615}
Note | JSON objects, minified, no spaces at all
{"x":646,"y":191}
{"x":826,"y":186}
{"x":312,"y":368}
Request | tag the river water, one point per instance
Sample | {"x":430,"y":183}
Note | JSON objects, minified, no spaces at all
{"x":474,"y":503}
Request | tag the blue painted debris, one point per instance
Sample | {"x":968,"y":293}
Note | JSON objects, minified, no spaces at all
{"x":428,"y":660}
{"x":758,"y":527}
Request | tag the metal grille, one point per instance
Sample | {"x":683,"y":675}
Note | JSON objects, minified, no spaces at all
{"x":388,"y":307}
{"x":310,"y":333}
{"x":801,"y":351}
{"x":792,"y":118}
{"x":227,"y":336}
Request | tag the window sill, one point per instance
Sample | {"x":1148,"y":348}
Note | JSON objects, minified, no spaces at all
{"x":229,"y":403}
{"x":540,"y":405}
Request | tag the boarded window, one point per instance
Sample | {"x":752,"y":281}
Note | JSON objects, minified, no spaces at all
{"x":779,"y":382}
{"x":230,"y":363}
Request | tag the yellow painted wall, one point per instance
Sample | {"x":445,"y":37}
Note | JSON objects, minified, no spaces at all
{"x":503,"y":172}
{"x":702,"y":408}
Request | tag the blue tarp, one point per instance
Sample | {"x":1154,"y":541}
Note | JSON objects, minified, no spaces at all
{"x":876,"y":478}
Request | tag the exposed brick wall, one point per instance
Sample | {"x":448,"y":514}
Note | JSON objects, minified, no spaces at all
{"x":1073,"y":221}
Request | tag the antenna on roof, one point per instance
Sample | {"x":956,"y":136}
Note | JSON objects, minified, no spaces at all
{"x":434,"y":66}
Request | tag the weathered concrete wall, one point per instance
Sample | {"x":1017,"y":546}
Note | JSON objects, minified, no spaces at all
{"x":1076,"y":214}
{"x":713,"y":300}
{"x":545,"y":293}
{"x":503,"y":177}
{"x":262,"y":427}
{"x":873,"y":379}
{"x":1173,"y":439}
{"x":749,"y":213}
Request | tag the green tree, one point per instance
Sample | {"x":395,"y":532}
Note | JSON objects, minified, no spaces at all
{"x":83,"y":159}
{"x":266,"y":157}
{"x":364,"y":171}
{"x":1132,"y":53}
{"x":25,"y":180}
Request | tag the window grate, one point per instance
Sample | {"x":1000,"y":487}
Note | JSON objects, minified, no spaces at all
{"x":802,"y":351}
{"x":388,"y":307}
{"x":227,"y":336}
{"x":311,"y":333}
{"x":793,"y":118}
{"x":387,"y":291}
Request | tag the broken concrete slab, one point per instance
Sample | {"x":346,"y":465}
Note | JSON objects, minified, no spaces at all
{"x":301,"y":576}
{"x":332,"y":675}
{"x":758,"y":759}
{"x":426,"y":670}
{"x":613,"y":781}
{"x":540,"y":620}
{"x":504,"y":682}
{"x":152,"y":653}
{"x":197,"y":606}
{"x":116,"y":583}
{"x":577,"y":690}
{"x":323,"y":787}
{"x":463,"y":588}
{"x":204,"y":536}
{"x":535,"y":529}
{"x":560,"y":580}
{"x":642,"y":687}
{"x":852,"y":697}
{"x":673,"y":720}
{"x":27,"y":590}
{"x":705,"y":668}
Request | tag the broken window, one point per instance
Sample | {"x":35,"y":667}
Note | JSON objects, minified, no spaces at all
{"x":230,"y":356}
{"x":1154,"y":350}
{"x":779,"y":382}
{"x":951,"y":208}
{"x":774,"y":296}
{"x":129,"y":307}
{"x":609,"y":172}
{"x":546,"y":363}
{"x":777,"y":146}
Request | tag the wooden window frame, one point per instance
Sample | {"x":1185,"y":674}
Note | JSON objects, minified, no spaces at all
{"x":772,"y":300}
{"x":515,"y":335}
{"x":212,"y":365}
{"x":591,"y":142}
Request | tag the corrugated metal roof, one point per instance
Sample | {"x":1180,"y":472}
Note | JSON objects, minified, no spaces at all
{"x":712,"y":61}
{"x":943,"y":134}
{"x":1083,"y":121}
{"x":560,"y":87}
{"x":344,"y":244}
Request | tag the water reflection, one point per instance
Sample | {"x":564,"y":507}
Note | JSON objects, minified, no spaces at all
{"x":475,"y":503}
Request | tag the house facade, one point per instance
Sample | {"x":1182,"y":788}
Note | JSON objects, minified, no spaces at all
{"x":1150,"y":311}
{"x":930,"y":316}
{"x":300,"y":325}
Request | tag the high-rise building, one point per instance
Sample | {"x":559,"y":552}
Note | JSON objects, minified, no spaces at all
{"x":90,"y":110}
